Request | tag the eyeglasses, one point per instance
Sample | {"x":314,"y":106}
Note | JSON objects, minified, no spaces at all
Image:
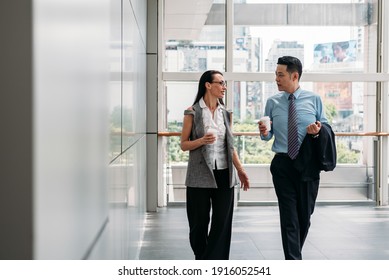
{"x":222,"y":83}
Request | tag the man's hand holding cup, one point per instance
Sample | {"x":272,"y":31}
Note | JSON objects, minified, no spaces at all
{"x":264,"y":125}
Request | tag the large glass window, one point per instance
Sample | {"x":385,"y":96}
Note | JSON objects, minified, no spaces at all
{"x":325,"y":35}
{"x":337,"y":44}
{"x":344,"y":107}
{"x":192,"y":42}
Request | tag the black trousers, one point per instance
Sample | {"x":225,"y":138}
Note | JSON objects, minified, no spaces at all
{"x":212,"y":244}
{"x":296,"y":202}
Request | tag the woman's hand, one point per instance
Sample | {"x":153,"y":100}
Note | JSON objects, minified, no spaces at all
{"x":208,"y":138}
{"x":244,"y":180}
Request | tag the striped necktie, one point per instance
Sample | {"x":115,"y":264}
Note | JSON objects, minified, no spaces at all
{"x":293,"y":143}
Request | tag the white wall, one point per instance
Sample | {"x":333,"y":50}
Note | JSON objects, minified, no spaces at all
{"x":127,"y":91}
{"x":70,"y":144}
{"x":74,"y":186}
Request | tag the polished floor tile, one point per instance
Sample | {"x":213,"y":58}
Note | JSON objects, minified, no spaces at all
{"x":338,"y":232}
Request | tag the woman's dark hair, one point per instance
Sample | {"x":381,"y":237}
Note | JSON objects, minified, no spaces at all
{"x":293,"y":64}
{"x":207,"y":76}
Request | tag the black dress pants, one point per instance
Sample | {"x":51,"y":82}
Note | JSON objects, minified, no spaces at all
{"x":212,"y":244}
{"x":296,"y":202}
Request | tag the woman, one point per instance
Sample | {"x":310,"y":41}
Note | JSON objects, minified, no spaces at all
{"x":210,"y":177}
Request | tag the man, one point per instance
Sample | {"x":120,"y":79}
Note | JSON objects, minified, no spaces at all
{"x":296,"y":116}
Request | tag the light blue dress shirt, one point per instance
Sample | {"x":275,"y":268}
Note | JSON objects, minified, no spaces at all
{"x":309,"y":108}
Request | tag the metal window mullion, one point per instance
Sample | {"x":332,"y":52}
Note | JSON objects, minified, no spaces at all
{"x":269,"y":77}
{"x":229,"y":56}
{"x":161,"y":103}
{"x":384,"y":51}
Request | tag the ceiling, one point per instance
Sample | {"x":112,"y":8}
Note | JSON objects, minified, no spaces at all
{"x":184,"y":19}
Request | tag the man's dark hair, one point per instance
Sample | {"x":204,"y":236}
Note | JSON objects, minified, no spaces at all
{"x":293,"y":64}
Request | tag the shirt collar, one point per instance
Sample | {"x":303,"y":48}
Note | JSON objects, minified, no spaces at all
{"x":203,"y":105}
{"x":296,"y":93}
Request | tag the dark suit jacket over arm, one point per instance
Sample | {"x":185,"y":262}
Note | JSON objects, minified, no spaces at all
{"x":317,"y":154}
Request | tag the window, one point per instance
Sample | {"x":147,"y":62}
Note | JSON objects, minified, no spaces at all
{"x":336,"y":42}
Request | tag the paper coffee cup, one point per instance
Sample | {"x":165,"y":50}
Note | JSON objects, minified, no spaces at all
{"x":266,"y":120}
{"x":212,"y":131}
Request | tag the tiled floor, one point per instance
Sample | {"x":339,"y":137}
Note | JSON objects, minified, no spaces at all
{"x":338,"y":232}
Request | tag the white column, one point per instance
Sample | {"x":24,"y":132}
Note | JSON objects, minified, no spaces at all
{"x":384,"y":194}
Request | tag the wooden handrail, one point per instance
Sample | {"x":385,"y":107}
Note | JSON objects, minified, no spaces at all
{"x":171,"y":133}
{"x":362,"y":133}
{"x":168,"y":133}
